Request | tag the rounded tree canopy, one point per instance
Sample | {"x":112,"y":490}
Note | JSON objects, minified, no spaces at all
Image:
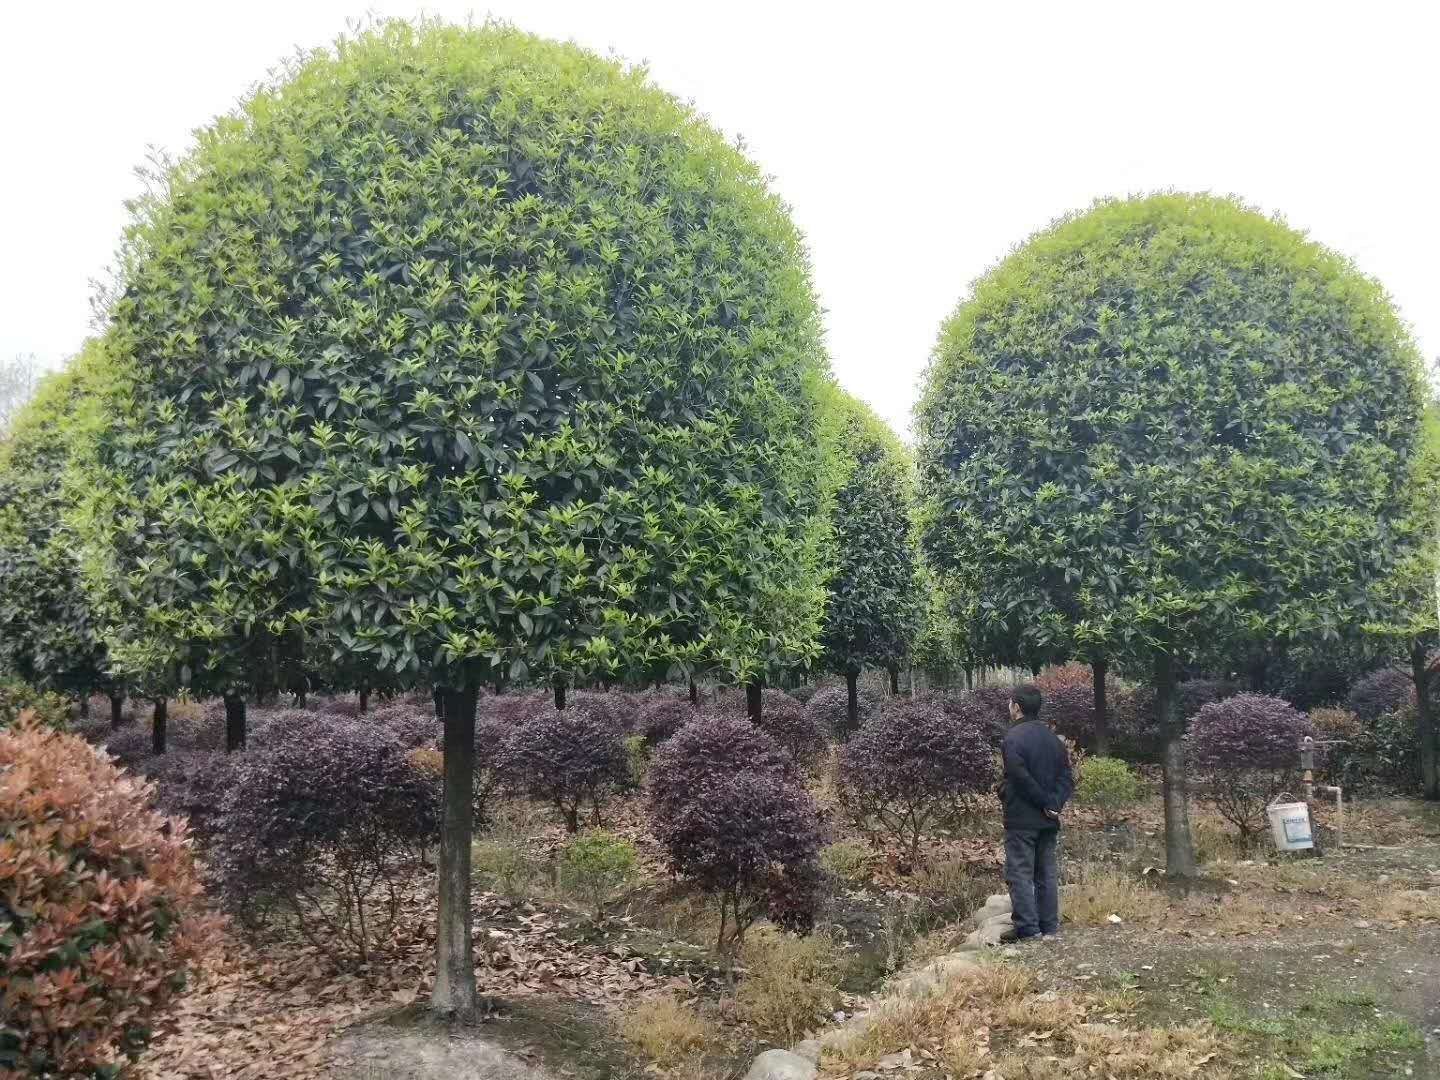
{"x":1167,"y":421}
{"x":49,"y":635}
{"x":874,"y":609}
{"x":474,"y":356}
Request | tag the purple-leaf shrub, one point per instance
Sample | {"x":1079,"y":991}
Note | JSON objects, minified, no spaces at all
{"x":662,"y":715}
{"x":707,"y":749}
{"x":1380,"y":693}
{"x":829,"y":707}
{"x":750,"y":839}
{"x":566,"y":757}
{"x":327,"y":821}
{"x":1246,"y":749}
{"x":798,"y":731}
{"x":916,"y":761}
{"x":514,"y":708}
{"x":1192,"y":695}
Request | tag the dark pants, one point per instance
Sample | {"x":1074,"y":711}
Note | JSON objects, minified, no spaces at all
{"x":1032,"y":873}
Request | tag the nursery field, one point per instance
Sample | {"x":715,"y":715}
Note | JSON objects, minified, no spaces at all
{"x":1322,"y":966}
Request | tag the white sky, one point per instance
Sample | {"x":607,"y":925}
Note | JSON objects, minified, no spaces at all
{"x":915,"y":142}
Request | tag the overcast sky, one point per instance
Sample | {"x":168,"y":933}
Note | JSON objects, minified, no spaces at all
{"x":916,"y":142}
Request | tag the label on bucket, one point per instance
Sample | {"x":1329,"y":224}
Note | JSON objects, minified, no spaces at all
{"x":1290,"y":824}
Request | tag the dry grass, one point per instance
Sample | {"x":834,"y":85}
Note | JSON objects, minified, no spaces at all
{"x":1099,"y":892}
{"x":992,"y":1018}
{"x":667,"y":1031}
{"x":848,"y":860}
{"x":951,"y":886}
{"x":1409,"y":905}
{"x":790,"y":984}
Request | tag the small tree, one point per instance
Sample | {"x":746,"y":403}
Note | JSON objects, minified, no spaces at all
{"x":751,"y":840}
{"x":567,"y":757}
{"x":912,"y":764}
{"x":874,"y":608}
{"x":100,"y":916}
{"x":1247,"y":749}
{"x":1170,"y":426}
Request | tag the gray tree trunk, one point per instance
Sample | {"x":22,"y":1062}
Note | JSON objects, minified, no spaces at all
{"x":454,"y":993}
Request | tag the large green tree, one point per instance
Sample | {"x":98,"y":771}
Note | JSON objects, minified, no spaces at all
{"x":475,"y":358}
{"x":49,"y":635}
{"x":873,"y":610}
{"x":1169,"y":422}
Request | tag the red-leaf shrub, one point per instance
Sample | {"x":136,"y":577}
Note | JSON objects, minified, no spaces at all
{"x":326,"y":821}
{"x":914,"y":762}
{"x":829,"y":708}
{"x":1247,"y":751}
{"x":707,"y":749}
{"x":1381,"y":693}
{"x":1192,"y":695}
{"x":662,"y":715}
{"x":621,"y":710}
{"x":993,"y":705}
{"x":567,"y":757}
{"x":750,"y":839}
{"x":512,"y":709}
{"x":797,"y":729}
{"x":1069,"y":701}
{"x":99,"y":908}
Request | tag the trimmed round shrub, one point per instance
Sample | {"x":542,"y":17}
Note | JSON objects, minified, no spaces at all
{"x":991,"y":705}
{"x":1069,"y":701}
{"x":567,"y":757}
{"x":914,"y":763}
{"x":1376,"y":757}
{"x":619,"y":709}
{"x":662,"y":715}
{"x":1192,"y":695}
{"x":514,"y":709}
{"x":829,"y":707}
{"x":1247,"y":751}
{"x":327,"y":822}
{"x":751,"y":840}
{"x":802,"y":693}
{"x":100,"y":915}
{"x":1380,"y":693}
{"x":1108,"y":784}
{"x":708,"y":749}
{"x":794,"y":727}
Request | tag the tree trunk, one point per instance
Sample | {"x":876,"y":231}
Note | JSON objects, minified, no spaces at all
{"x":559,"y":694}
{"x":84,"y":706}
{"x":852,"y":702}
{"x":454,"y":993}
{"x":438,"y":696}
{"x":1179,"y":846}
{"x":1259,"y":669}
{"x":1427,"y":734}
{"x":894,"y":681}
{"x":752,"y":701}
{"x":234,"y":723}
{"x":1035,"y":669}
{"x":302,"y":696}
{"x":364,"y":700}
{"x":157,"y":726}
{"x":117,"y":710}
{"x":969,"y":677}
{"x":1100,"y":745}
{"x":694,"y":692}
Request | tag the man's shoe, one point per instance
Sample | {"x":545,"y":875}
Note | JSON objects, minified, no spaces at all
{"x":1014,"y":936}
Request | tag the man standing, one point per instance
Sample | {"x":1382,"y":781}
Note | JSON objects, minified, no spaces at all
{"x":1038,"y":784}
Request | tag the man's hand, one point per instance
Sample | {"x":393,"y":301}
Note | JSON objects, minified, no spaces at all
{"x":1053,"y":815}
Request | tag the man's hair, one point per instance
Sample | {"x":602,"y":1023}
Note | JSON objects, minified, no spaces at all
{"x":1028,"y":698}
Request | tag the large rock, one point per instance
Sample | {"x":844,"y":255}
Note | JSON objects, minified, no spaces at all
{"x":995,"y":906}
{"x":781,"y":1065}
{"x":988,"y":935}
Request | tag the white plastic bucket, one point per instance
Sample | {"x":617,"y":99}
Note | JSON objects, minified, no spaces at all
{"x":1290,"y":826}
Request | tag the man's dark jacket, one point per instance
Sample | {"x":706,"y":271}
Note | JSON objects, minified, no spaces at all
{"x":1037,"y":776}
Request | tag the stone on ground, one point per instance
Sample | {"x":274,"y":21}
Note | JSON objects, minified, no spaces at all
{"x":781,"y":1065}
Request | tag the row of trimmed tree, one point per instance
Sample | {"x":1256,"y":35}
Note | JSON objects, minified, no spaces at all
{"x":460,"y":358}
